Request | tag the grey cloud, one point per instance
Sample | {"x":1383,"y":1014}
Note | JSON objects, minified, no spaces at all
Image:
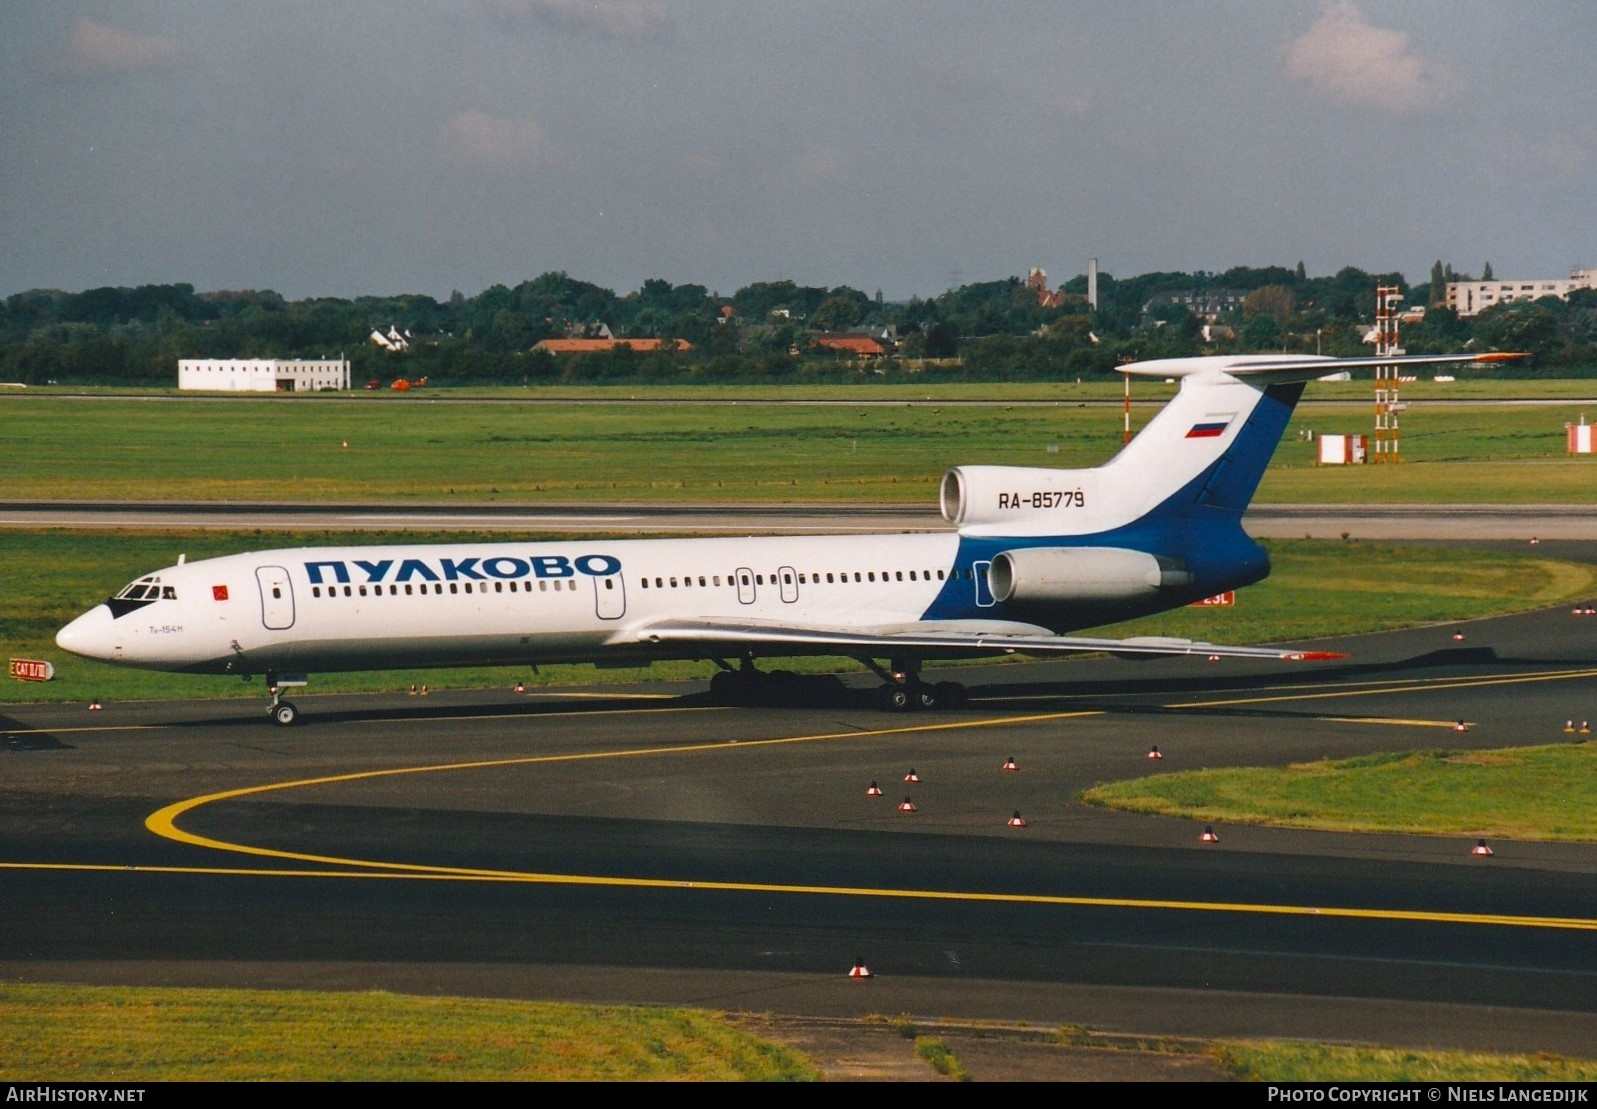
{"x":621,"y":19}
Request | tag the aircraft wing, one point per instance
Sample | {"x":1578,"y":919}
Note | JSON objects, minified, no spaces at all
{"x":949,"y":638}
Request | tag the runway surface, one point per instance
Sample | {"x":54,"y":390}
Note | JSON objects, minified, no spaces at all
{"x":1265,"y":521}
{"x":640,"y":844}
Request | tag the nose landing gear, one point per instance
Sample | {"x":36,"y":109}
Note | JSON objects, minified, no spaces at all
{"x":283,"y":713}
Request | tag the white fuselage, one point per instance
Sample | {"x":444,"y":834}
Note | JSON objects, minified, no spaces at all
{"x":344,"y":608}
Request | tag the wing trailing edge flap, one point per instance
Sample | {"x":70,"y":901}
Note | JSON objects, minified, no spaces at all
{"x":950,"y":636}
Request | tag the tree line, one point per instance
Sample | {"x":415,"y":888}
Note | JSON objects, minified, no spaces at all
{"x":1000,"y":330}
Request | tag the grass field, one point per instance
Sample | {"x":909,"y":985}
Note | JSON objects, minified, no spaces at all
{"x":1524,"y":793}
{"x":1469,"y":385}
{"x":304,"y":449}
{"x":130,"y":1036}
{"x":133,"y":1036}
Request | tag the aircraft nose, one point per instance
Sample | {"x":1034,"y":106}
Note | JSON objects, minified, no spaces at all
{"x":89,"y":635}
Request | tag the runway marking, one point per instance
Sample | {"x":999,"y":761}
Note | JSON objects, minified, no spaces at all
{"x":406,"y":872}
{"x":163,"y":822}
{"x":1422,"y":687}
{"x":609,"y":696}
{"x":1390,"y":721}
{"x":90,"y":728}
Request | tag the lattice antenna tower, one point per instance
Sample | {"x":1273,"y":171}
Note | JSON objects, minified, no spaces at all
{"x":1386,"y":403}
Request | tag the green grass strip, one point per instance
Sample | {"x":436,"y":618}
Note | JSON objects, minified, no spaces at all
{"x":130,"y":1035}
{"x":1523,"y":793}
{"x":314,"y":450}
{"x":1306,"y":1062}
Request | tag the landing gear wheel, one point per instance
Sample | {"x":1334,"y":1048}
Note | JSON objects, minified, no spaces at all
{"x":927,"y":696}
{"x":284,"y":713}
{"x":894,"y":698}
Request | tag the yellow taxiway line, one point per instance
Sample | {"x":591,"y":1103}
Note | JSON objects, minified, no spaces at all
{"x":404,"y":872}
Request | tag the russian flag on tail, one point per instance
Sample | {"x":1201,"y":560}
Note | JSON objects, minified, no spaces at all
{"x":1208,"y":429}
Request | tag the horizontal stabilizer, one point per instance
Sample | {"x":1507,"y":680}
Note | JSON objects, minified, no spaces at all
{"x":1294,"y":367}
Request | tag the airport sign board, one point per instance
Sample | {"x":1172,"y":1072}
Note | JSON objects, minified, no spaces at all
{"x":31,"y":670}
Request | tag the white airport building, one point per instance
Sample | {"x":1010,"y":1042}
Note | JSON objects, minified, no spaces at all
{"x":262,"y":375}
{"x":1471,"y":298}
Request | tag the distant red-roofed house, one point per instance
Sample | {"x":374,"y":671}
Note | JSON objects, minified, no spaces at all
{"x":592,"y":346}
{"x":860,"y":346}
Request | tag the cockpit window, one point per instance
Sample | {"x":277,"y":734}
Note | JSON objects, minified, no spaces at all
{"x":147,"y":589}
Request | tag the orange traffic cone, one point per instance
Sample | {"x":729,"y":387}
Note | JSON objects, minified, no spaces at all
{"x":1461,"y":727}
{"x":1153,"y":752}
{"x":860,"y":970}
{"x":1010,"y":764}
{"x":1480,"y":848}
{"x":874,"y":791}
{"x":912,"y":776}
{"x":1016,"y":821}
{"x":907,"y":806}
{"x":1208,"y":835}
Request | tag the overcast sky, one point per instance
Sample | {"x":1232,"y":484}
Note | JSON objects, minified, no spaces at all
{"x":353,"y":147}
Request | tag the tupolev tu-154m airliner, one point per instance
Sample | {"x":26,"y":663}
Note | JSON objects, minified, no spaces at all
{"x":1038,"y":553}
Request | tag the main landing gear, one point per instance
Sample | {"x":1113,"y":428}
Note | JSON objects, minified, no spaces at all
{"x":748,"y":686}
{"x":901,"y":689}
